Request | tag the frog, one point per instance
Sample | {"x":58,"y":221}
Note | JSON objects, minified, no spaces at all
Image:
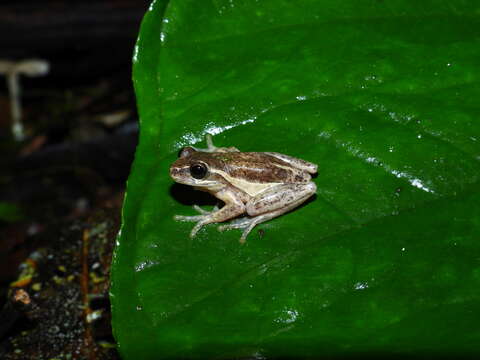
{"x":258,"y":186}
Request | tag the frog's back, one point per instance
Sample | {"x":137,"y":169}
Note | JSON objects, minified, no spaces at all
{"x":262,"y":168}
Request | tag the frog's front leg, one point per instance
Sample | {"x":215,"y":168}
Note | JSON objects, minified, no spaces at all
{"x":232,"y":208}
{"x":270,"y":204}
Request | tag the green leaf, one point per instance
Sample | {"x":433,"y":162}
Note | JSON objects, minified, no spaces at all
{"x":383,"y":96}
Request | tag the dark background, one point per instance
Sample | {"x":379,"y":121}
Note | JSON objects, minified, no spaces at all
{"x":83,"y":40}
{"x":64,"y":182}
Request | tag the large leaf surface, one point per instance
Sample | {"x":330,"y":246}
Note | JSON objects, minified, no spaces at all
{"x":384,"y":97}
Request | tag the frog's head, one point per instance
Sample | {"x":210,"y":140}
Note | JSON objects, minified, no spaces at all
{"x":193,"y":168}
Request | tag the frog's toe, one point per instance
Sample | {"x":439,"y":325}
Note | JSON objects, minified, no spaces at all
{"x":196,"y":229}
{"x":189,"y":218}
{"x":246,"y":224}
{"x":200,"y":210}
{"x":245,"y":233}
{"x":231,"y":227}
{"x":235,"y":224}
{"x":205,"y":212}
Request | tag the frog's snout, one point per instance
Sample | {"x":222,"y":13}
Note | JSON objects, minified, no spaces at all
{"x":174,"y":172}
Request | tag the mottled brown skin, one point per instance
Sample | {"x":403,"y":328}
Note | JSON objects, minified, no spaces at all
{"x":263,"y":185}
{"x":256,"y":166}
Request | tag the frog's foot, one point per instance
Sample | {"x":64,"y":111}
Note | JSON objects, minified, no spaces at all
{"x":213,"y":148}
{"x":239,"y":223}
{"x":201,"y":219}
{"x":246,"y":223}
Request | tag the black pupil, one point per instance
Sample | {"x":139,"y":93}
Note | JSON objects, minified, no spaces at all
{"x":198,"y":171}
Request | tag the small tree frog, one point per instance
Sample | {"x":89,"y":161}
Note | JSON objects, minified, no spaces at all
{"x":262,"y":185}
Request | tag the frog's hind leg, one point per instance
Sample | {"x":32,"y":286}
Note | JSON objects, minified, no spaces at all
{"x":270,"y":204}
{"x":295,"y":162}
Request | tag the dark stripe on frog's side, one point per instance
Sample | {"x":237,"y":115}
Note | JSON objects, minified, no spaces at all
{"x":260,"y":168}
{"x":252,"y":166}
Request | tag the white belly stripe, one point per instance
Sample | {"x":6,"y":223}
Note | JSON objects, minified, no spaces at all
{"x":251,"y":188}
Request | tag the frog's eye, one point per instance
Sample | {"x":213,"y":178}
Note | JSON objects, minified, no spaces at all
{"x":198,"y":170}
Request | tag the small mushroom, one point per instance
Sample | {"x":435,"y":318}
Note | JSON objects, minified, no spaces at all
{"x":12,"y":71}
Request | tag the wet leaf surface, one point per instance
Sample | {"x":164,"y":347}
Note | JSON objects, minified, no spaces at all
{"x":383,"y":96}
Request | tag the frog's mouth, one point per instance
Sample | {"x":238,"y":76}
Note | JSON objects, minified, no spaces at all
{"x":187,"y":180}
{"x":206,"y":184}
